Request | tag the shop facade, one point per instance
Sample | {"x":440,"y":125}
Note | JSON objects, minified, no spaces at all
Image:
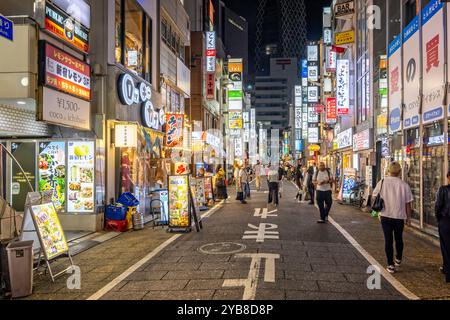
{"x":48,"y":114}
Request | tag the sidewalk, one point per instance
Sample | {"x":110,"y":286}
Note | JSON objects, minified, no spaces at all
{"x":422,"y":258}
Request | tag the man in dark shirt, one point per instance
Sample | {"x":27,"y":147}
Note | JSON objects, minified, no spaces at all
{"x":442,"y":211}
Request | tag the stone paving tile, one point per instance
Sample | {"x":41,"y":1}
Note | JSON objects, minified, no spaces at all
{"x":294,"y":266}
{"x":173,"y":266}
{"x":205,"y":258}
{"x":289,"y":285}
{"x":308,"y":296}
{"x":300,"y":275}
{"x":243,"y":274}
{"x":125,"y":296}
{"x":180,"y":295}
{"x":350,"y":269}
{"x":348,"y":287}
{"x":193,"y":275}
{"x":154,"y":285}
{"x":224,"y":265}
{"x":144,"y":276}
{"x":205,"y":284}
{"x":228,"y":294}
{"x":53,"y":296}
{"x":266,"y":294}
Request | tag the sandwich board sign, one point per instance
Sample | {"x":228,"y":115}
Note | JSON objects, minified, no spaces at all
{"x":41,"y":224}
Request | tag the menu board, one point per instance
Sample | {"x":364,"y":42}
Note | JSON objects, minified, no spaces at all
{"x":81,"y":157}
{"x":52,"y":171}
{"x":208,"y":188}
{"x":179,"y":216}
{"x":198,"y":190}
{"x":49,"y":230}
{"x":348,"y":183}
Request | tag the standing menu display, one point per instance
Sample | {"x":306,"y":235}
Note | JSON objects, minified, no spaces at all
{"x":209,"y":193}
{"x":52,"y":171}
{"x":179,"y":204}
{"x":49,"y":230}
{"x":81,"y":164}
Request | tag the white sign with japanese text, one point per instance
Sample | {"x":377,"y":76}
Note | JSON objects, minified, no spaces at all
{"x":433,"y":61}
{"x":343,"y":87}
{"x":411,"y":74}
{"x":395,"y":84}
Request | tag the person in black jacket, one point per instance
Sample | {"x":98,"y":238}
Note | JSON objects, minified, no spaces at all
{"x":442,"y":211}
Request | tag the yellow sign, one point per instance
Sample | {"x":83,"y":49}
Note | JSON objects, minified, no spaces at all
{"x":235,"y":67}
{"x":345,"y":37}
{"x":235,"y":120}
{"x":382,"y":121}
{"x":314,"y":147}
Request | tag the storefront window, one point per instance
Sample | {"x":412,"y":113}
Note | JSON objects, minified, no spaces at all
{"x":433,"y":169}
{"x":412,"y":178}
{"x":133,"y":38}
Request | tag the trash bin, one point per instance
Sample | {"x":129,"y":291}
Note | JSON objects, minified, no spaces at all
{"x":20,"y":263}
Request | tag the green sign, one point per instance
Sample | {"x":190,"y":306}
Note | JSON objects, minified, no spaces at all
{"x":235,"y":94}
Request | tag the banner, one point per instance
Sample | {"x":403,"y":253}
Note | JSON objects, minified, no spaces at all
{"x":395,"y":84}
{"x":411,"y":75}
{"x":331,"y":112}
{"x":343,"y":87}
{"x":433,"y":61}
{"x":174,"y":129}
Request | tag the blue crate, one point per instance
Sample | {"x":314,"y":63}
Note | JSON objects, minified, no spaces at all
{"x":114,"y":212}
{"x":128,"y":199}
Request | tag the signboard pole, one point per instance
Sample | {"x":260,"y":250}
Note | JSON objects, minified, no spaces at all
{"x":198,"y":223}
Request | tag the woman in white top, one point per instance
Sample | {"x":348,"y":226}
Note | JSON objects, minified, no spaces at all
{"x":397,"y":198}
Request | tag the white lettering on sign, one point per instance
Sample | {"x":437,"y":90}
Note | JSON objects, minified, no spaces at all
{"x":264,"y":213}
{"x":261,"y":233}
{"x":130,"y":94}
{"x":251,"y":283}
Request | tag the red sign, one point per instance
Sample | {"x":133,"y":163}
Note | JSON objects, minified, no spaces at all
{"x":174,"y":129}
{"x":319,"y":108}
{"x":66,"y":73}
{"x":210,"y":86}
{"x":331,"y":114}
{"x":211,"y":53}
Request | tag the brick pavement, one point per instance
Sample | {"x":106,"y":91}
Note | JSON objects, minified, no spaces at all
{"x":316,"y":262}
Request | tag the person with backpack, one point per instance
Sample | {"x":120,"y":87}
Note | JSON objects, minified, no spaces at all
{"x":310,"y":185}
{"x":323,"y":181}
{"x":442,"y":211}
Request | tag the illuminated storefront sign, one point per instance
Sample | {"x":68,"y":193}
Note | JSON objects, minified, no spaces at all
{"x":66,"y":27}
{"x":125,"y":136}
{"x":66,"y":73}
{"x":210,"y":52}
{"x":343,"y":87}
{"x":174,"y":129}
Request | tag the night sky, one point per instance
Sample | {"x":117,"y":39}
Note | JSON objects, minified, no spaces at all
{"x":247,"y":9}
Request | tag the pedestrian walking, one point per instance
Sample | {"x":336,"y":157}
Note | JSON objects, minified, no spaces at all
{"x":304,"y":186}
{"x":257,"y":170}
{"x":299,"y":179}
{"x":397,"y":197}
{"x":281,"y":175}
{"x":249,"y":176}
{"x":273,"y":179}
{"x":324,"y":196}
{"x":442,"y":210}
{"x":221,"y":185}
{"x":243,"y":183}
{"x":310,"y":185}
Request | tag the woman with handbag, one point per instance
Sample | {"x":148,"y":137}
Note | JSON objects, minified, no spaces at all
{"x":393,"y":199}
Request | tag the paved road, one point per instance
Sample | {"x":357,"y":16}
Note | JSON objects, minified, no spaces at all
{"x":241,"y":254}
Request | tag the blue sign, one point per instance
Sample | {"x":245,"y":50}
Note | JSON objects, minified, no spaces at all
{"x":304,"y":69}
{"x":434,"y":114}
{"x":395,"y":119}
{"x":6,"y":28}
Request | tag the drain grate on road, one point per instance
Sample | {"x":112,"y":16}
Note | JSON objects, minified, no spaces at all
{"x":222,"y":248}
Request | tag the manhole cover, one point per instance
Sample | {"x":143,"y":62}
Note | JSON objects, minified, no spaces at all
{"x":222,"y":248}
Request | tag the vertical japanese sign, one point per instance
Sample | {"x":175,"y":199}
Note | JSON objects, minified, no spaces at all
{"x":235,"y":95}
{"x":174,"y":129}
{"x":395,"y":84}
{"x":433,"y":61}
{"x":343,"y":87}
{"x":331,"y":57}
{"x":331,"y":112}
{"x":411,"y":74}
{"x":52,"y":171}
{"x":210,"y":86}
{"x":210,"y":52}
{"x":81,"y":157}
